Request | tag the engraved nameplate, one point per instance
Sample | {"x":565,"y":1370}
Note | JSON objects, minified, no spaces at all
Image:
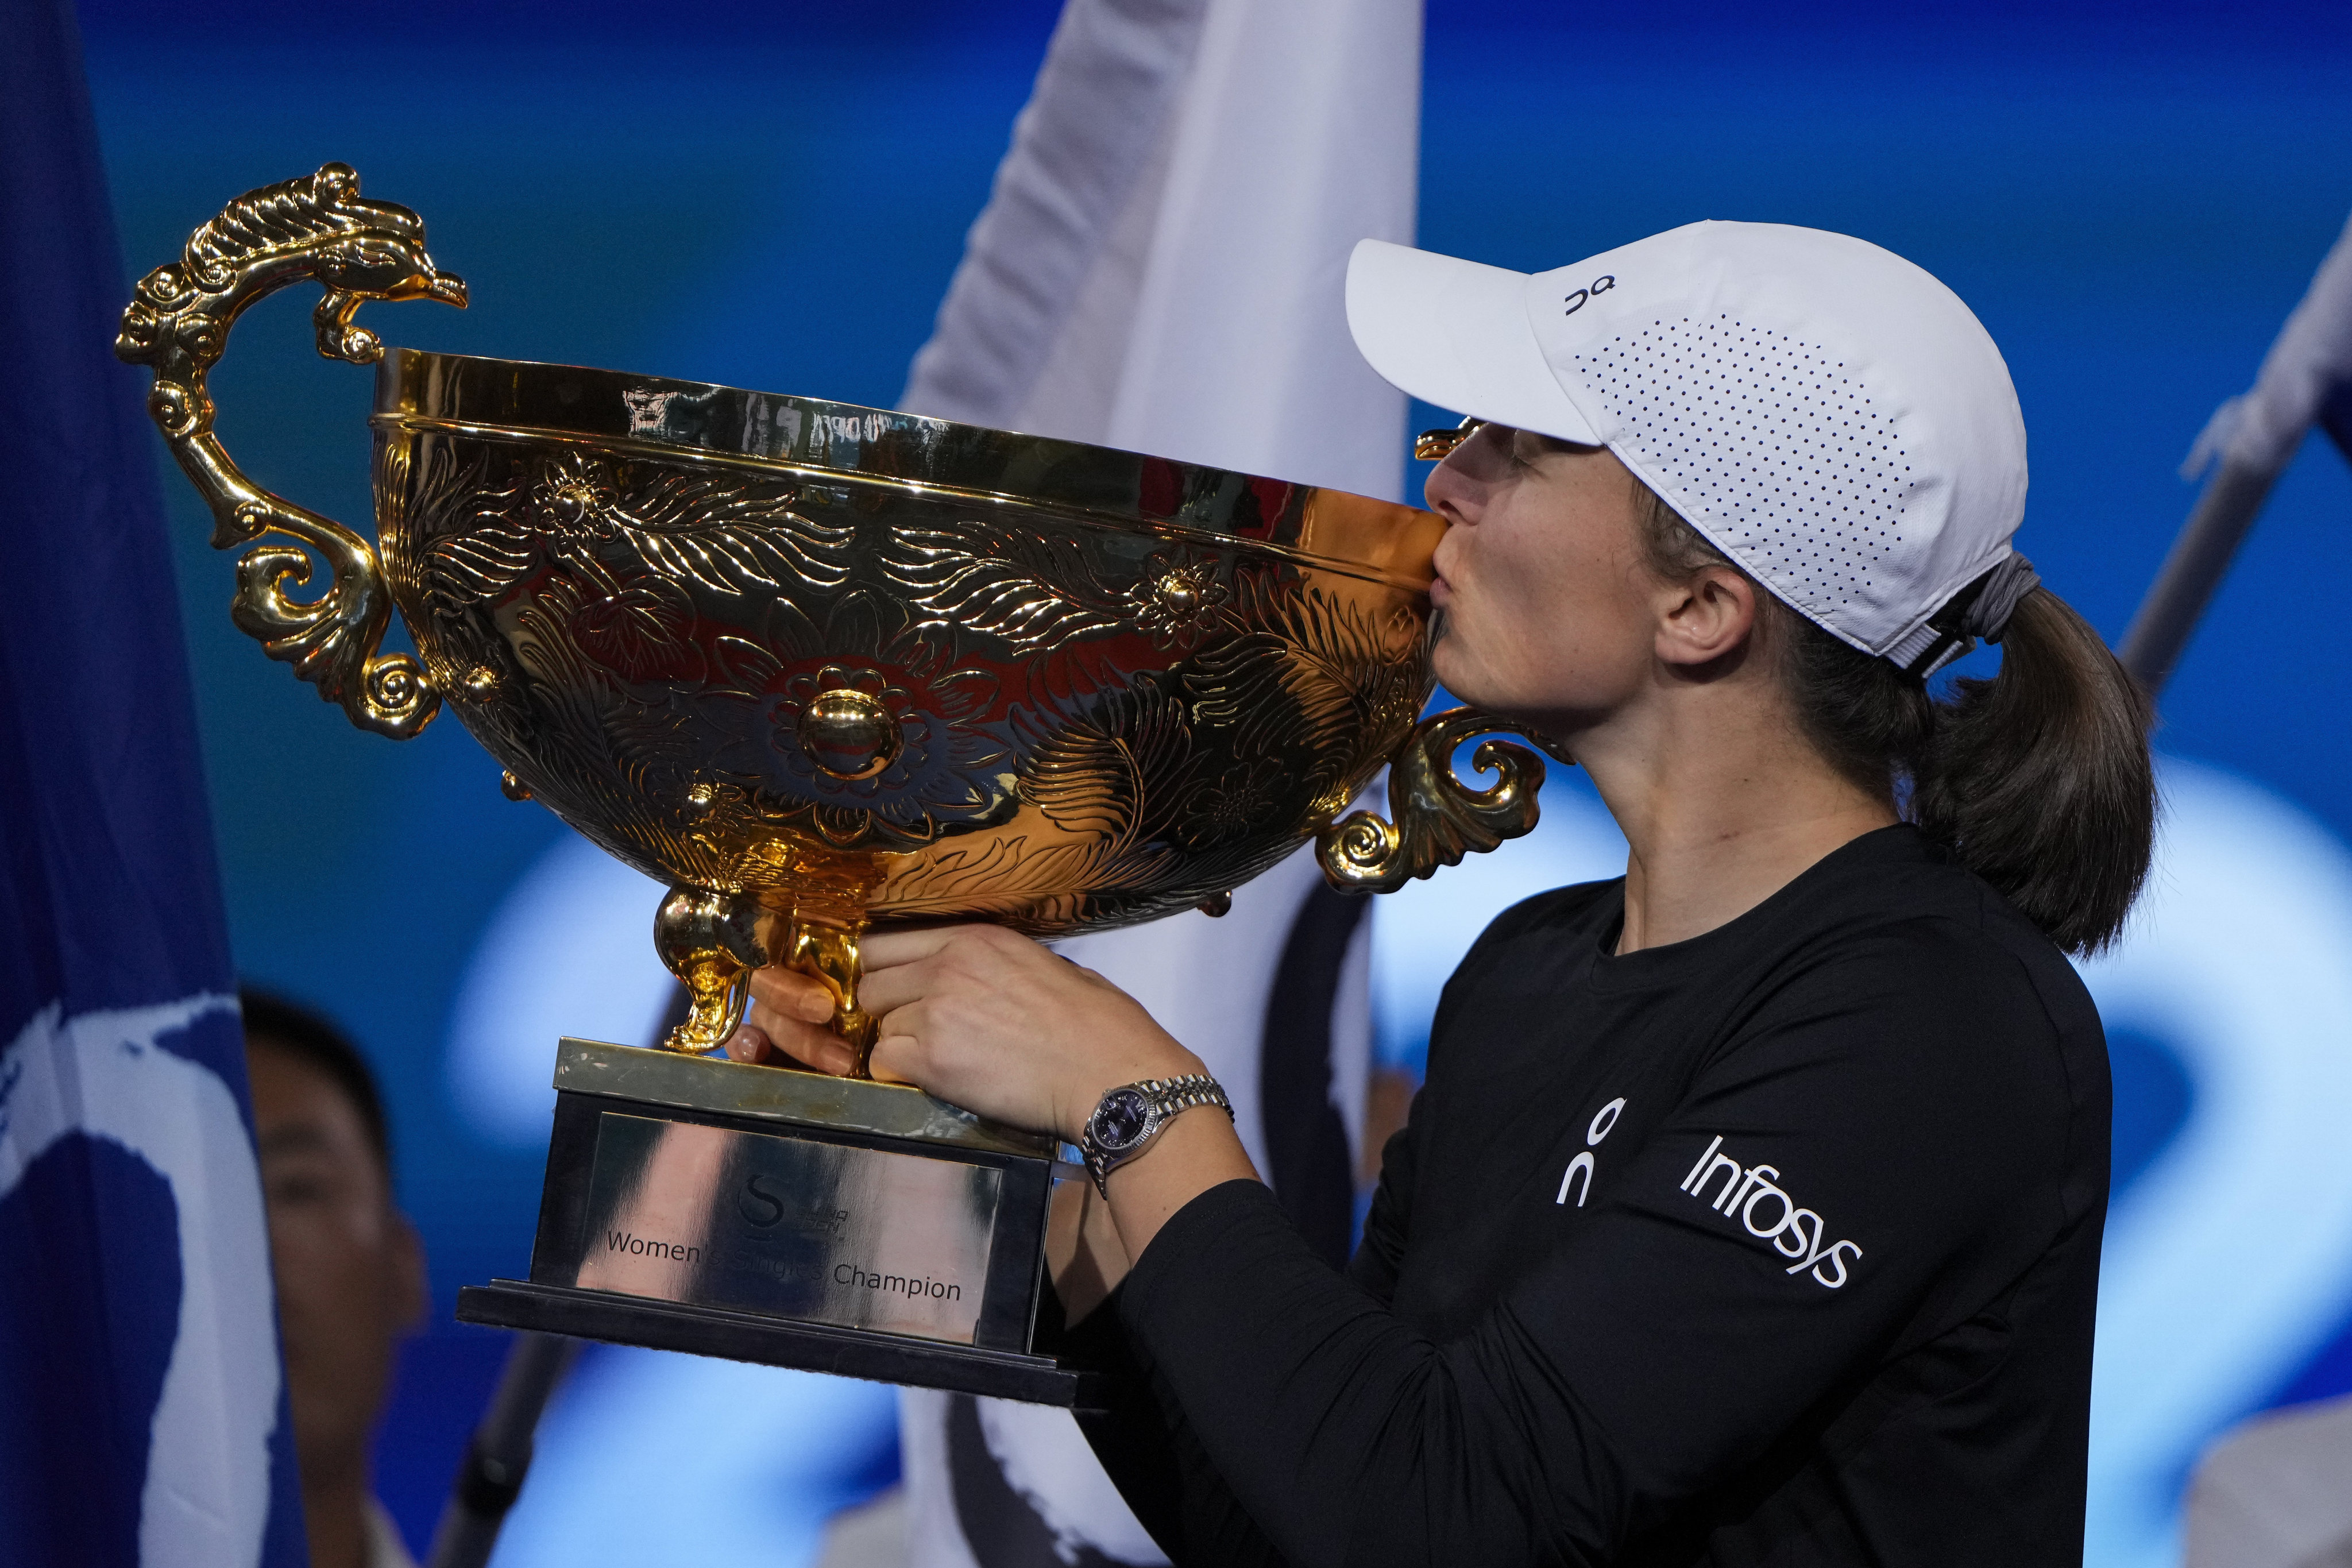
{"x":820,"y":1232}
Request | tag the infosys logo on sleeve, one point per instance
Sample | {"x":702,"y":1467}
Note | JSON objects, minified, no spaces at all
{"x":1794,"y":1232}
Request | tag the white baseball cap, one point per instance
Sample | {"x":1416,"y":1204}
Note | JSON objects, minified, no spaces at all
{"x":1828,"y":415}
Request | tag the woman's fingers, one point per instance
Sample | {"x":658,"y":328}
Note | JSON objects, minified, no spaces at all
{"x":896,"y":969}
{"x":790,"y":1016}
{"x":947,"y":959}
{"x":890,"y":949}
{"x":826,"y":1052}
{"x":896,"y":1058}
{"x":982,"y":1016}
{"x":793,"y":994}
{"x":906,"y":1045}
{"x":883,"y":992}
{"x":749,"y":1043}
{"x":771,"y":1032}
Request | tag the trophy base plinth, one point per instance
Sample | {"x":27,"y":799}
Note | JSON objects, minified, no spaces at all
{"x":764,"y":1215}
{"x":771,"y":1342}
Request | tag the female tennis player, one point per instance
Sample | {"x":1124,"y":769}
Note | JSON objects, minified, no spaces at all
{"x":1750,"y":1212}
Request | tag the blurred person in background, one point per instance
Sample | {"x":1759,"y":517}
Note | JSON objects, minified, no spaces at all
{"x":350,"y":1270}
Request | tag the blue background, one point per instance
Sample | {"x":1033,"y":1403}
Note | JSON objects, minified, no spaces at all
{"x":2132,"y":198}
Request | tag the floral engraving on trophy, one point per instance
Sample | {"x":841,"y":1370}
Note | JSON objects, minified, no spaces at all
{"x":1119,"y":787}
{"x":612,"y":522}
{"x":1182,"y":605}
{"x":864,"y":726}
{"x":1040,"y":888}
{"x":1098,"y":772}
{"x":642,"y":633}
{"x":1031,"y":588}
{"x":847,"y":732}
{"x":1242,"y":798}
{"x":1106,"y":784}
{"x":1299,"y":693}
{"x":1321,"y":679}
{"x":1038,"y":588}
{"x":573,"y":499}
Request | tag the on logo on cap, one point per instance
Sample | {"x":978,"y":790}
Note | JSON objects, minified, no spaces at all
{"x":1601,"y":285}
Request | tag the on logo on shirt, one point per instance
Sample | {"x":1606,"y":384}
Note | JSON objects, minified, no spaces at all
{"x":1794,"y":1232}
{"x":1584,"y":1164}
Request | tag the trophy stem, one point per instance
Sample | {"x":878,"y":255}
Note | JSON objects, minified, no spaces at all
{"x":829,"y":951}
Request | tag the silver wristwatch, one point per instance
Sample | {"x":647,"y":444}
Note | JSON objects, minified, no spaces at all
{"x":1127,"y":1118}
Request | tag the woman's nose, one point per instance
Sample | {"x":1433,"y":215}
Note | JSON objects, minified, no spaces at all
{"x":1452,"y":493}
{"x":1457,"y":490}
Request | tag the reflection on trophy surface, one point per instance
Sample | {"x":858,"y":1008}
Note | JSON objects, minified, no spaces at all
{"x":820,"y":667}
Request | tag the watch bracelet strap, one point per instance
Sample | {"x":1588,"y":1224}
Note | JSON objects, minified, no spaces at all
{"x":1175,"y":1094}
{"x":1168,"y":1096}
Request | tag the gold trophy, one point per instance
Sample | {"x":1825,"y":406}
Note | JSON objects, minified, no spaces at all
{"x":821,"y":667}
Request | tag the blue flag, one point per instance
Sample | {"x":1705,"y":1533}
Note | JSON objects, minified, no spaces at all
{"x":142,"y":1406}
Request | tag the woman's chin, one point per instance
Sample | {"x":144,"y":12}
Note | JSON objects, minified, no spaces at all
{"x":1459,"y":676}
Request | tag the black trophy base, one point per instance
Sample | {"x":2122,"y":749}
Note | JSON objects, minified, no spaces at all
{"x":789,"y":1218}
{"x":771,"y":1341}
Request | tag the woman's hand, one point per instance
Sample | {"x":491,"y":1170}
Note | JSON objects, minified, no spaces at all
{"x":992,"y":1022}
{"x":980,"y":1017}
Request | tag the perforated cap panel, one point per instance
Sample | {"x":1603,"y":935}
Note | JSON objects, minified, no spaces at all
{"x":1770,"y":445}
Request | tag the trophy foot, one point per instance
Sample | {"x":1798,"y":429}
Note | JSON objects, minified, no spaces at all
{"x":829,"y":953}
{"x":711,"y":942}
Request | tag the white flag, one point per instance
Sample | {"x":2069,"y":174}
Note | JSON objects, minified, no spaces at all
{"x":1161,"y":267}
{"x":2305,"y":379}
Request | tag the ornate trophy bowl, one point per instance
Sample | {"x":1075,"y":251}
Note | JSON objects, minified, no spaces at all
{"x":820,"y":667}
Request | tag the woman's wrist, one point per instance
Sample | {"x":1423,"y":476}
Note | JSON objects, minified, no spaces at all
{"x":1196,"y":1149}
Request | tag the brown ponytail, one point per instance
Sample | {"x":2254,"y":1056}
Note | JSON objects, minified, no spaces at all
{"x":2040,"y":776}
{"x":2037,"y":778}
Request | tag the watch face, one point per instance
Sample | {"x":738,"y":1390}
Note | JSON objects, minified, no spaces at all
{"x":1121,"y":1119}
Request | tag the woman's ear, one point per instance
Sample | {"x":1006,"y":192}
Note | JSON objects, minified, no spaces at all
{"x":1710,"y":614}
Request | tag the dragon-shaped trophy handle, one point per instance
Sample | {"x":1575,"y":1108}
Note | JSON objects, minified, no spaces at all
{"x":178,"y":324}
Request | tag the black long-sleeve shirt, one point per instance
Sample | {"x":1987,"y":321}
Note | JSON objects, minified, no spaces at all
{"x":1776,"y":1246}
